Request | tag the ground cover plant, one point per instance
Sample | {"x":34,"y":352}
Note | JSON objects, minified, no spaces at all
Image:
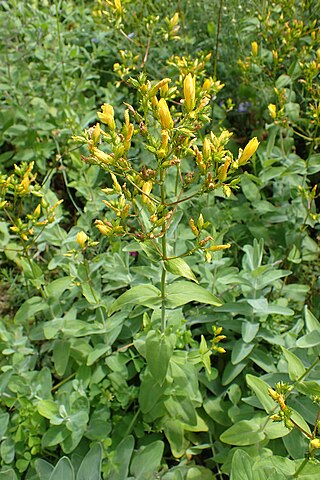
{"x":159,"y":240}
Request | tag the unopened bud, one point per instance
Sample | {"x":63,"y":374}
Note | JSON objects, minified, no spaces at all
{"x":164,"y":114}
{"x":216,"y":248}
{"x":272,"y":110}
{"x":254,"y":49}
{"x":193,"y":227}
{"x":81,"y":238}
{"x":248,"y":151}
{"x":189,"y":89}
{"x":315,"y":443}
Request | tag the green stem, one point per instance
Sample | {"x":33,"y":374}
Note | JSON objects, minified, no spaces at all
{"x":164,"y":254}
{"x":217,"y":40}
{"x":299,"y":470}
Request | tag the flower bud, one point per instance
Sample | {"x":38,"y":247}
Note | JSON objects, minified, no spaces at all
{"x":216,"y":248}
{"x":223,"y":170}
{"x":146,"y":188}
{"x":254,"y":49}
{"x":189,"y":89}
{"x":194,"y":228}
{"x":272,"y":110}
{"x":154,"y":90}
{"x":206,"y":149}
{"x":206,"y":84}
{"x":273,"y":394}
{"x":37,"y":211}
{"x":103,"y":228}
{"x":315,"y":443}
{"x":102,"y":156}
{"x":96,"y":134}
{"x":81,"y":238}
{"x":164,"y":114}
{"x":248,"y":151}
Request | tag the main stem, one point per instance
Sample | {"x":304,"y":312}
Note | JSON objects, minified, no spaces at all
{"x":164,"y":255}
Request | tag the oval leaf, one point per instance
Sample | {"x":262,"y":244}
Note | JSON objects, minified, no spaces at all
{"x":146,"y":295}
{"x":245,"y":432}
{"x":260,"y":388}
{"x":180,"y":293}
{"x":177,"y":266}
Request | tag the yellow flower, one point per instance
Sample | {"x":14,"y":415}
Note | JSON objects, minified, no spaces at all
{"x":102,"y":156}
{"x":315,"y":443}
{"x":206,"y":84}
{"x":103,"y":228}
{"x":107,"y":116}
{"x":164,"y":114}
{"x":96,"y":133}
{"x":248,"y":151}
{"x":189,"y":90}
{"x":273,"y":394}
{"x":159,"y":85}
{"x":37,"y":211}
{"x":117,"y":4}
{"x":254,"y":49}
{"x":81,"y":238}
{"x":272,"y":110}
{"x":146,"y":188}
{"x":216,"y":248}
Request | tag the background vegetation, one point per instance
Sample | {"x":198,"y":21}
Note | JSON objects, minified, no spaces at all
{"x":92,"y":383}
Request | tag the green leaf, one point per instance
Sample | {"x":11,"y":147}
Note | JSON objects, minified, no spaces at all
{"x":159,"y":350}
{"x":7,"y":450}
{"x":181,"y":408}
{"x":181,"y":292}
{"x":146,"y":295}
{"x":174,"y":432}
{"x":300,"y":421}
{"x":44,"y":469}
{"x":54,"y":435}
{"x":58,"y":286}
{"x":274,"y":430}
{"x":232,"y":371}
{"x":61,"y":352}
{"x":296,"y":444}
{"x":149,"y":384}
{"x":244,"y":432}
{"x":250,"y":189}
{"x":309,"y":340}
{"x":309,"y":388}
{"x":29,"y":308}
{"x":282,"y":465}
{"x":8,"y":474}
{"x":292,"y":110}
{"x":260,"y":388}
{"x":241,"y":466}
{"x":146,"y":461}
{"x":48,"y":409}
{"x":91,"y":295}
{"x":121,"y":459}
{"x":63,"y":470}
{"x":179,"y":267}
{"x":295,"y":367}
{"x":249,"y":330}
{"x":240,"y":351}
{"x":90,"y":466}
{"x":283,"y":81}
{"x":311,"y":322}
{"x":99,"y":350}
{"x":4,"y":420}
